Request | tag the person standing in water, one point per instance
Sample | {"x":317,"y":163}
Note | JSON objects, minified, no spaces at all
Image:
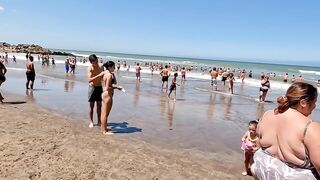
{"x":183,"y":74}
{"x":265,"y":86}
{"x":95,"y":88}
{"x":66,"y":64}
{"x":138,"y":69}
{"x":173,"y":86}
{"x":165,"y":76}
{"x":109,"y":84}
{"x":231,"y":81}
{"x":214,"y":75}
{"x":31,"y":73}
{"x":14,"y":59}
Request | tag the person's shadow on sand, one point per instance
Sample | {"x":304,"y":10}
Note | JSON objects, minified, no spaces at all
{"x":123,"y":128}
{"x":14,"y":102}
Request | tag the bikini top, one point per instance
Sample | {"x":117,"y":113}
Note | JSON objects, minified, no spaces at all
{"x":306,"y":163}
{"x":267,"y":84}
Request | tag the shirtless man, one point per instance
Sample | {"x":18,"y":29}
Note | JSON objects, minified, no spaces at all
{"x":165,"y":76}
{"x":3,"y":71}
{"x":214,"y":75}
{"x":31,"y":73}
{"x":183,"y":74}
{"x":225,"y":75}
{"x":95,"y":88}
{"x":138,"y":69}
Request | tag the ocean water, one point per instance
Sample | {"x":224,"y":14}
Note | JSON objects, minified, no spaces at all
{"x":200,"y":120}
{"x":310,"y":74}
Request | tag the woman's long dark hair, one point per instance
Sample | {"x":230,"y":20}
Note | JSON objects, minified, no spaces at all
{"x":108,"y":64}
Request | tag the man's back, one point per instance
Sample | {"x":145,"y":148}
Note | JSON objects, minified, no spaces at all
{"x":214,"y":74}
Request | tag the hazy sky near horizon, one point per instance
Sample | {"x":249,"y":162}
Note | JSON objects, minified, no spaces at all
{"x":285,"y":31}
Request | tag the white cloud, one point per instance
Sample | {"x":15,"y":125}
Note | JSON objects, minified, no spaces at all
{"x":1,"y":8}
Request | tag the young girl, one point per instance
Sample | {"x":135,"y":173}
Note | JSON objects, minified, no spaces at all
{"x":231,"y":80}
{"x":250,"y":144}
{"x":173,"y":86}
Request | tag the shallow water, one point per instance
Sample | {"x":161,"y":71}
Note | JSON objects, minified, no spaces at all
{"x":200,"y":119}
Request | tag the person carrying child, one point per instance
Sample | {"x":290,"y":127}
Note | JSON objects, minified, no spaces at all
{"x":250,"y":144}
{"x":173,"y":86}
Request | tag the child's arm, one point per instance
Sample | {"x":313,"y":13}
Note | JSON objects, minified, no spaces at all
{"x":245,"y":136}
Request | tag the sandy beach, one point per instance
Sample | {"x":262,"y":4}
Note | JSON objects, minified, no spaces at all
{"x":45,"y":132}
{"x":40,"y":144}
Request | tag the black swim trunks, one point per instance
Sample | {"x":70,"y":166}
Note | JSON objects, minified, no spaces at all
{"x":30,"y":75}
{"x":172,"y":87}
{"x":224,"y":78}
{"x":264,"y":89}
{"x":165,"y":78}
{"x":94,"y":93}
{"x":2,"y":78}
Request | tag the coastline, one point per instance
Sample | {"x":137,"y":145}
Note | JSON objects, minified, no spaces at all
{"x":207,"y":137}
{"x":38,"y":143}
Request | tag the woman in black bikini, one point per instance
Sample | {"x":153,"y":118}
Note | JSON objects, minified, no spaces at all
{"x":265,"y":86}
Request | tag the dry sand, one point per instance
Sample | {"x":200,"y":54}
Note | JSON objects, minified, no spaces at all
{"x":36,"y":143}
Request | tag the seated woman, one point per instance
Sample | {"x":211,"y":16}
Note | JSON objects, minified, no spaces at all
{"x":288,"y":138}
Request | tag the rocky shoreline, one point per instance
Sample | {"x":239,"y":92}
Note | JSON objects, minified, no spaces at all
{"x":30,"y":48}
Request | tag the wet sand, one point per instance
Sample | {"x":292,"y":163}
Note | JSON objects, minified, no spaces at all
{"x":201,"y":127}
{"x":40,"y":144}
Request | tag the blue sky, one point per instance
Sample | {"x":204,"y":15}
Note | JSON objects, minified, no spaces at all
{"x":278,"y":31}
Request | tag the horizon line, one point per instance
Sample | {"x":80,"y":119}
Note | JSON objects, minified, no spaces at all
{"x":245,"y":60}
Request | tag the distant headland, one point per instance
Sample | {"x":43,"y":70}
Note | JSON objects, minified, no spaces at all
{"x":30,"y":48}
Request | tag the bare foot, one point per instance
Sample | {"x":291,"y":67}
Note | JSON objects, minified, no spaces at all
{"x":107,"y":133}
{"x":91,"y":125}
{"x":244,"y":173}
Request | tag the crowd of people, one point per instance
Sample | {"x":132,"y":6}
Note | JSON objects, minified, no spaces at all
{"x":282,"y":144}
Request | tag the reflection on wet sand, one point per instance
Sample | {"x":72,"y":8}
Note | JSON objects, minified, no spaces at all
{"x":182,"y":90}
{"x":29,"y":94}
{"x":163,"y":103}
{"x":227,"y":100}
{"x":136,"y":94}
{"x":228,"y":104}
{"x":171,"y":109}
{"x":260,"y":110}
{"x":211,"y":105}
{"x":68,"y":85}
